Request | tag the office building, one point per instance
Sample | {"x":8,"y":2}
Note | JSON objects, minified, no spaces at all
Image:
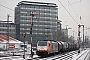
{"x":44,"y":25}
{"x":7,"y":28}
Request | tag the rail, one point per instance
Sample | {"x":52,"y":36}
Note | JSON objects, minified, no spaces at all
{"x":86,"y":55}
{"x":82,"y":55}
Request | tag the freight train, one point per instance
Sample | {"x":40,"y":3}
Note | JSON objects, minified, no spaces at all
{"x":47,"y":47}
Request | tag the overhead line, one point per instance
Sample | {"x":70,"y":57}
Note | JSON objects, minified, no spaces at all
{"x":67,"y":11}
{"x":74,"y":10}
{"x":80,"y":11}
{"x":59,"y":2}
{"x":71,"y":3}
{"x":6,"y":7}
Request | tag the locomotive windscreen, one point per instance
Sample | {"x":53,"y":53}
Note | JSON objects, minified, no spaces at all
{"x":42,"y":43}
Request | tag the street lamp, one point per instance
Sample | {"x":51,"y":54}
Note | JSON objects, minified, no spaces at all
{"x":7,"y":32}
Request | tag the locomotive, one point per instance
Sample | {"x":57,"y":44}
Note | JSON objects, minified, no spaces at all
{"x":47,"y":47}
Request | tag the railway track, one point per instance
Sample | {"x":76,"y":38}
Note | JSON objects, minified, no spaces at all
{"x":65,"y":56}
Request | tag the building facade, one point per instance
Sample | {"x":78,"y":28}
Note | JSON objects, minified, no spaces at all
{"x":7,"y":29}
{"x":44,"y":26}
{"x":59,"y":30}
{"x":65,"y":31}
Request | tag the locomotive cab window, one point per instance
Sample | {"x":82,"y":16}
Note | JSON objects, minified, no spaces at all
{"x":42,"y":43}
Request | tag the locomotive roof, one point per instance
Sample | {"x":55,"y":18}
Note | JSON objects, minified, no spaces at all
{"x":47,"y":40}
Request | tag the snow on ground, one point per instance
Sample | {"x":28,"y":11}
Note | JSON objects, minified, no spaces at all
{"x":18,"y":56}
{"x":82,"y":55}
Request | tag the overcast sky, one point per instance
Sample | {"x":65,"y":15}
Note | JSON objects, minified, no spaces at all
{"x":75,"y":8}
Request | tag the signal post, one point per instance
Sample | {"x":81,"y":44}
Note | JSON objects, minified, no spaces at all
{"x":79,"y":34}
{"x":31,"y":24}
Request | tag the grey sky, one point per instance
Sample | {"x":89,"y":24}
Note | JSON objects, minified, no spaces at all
{"x":80,"y":9}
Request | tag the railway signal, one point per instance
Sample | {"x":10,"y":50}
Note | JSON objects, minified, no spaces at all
{"x":31,"y":24}
{"x":79,"y":32}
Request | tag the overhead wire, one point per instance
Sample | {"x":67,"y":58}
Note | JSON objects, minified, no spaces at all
{"x":80,"y":12}
{"x":67,"y":11}
{"x":72,"y":3}
{"x":72,"y":8}
{"x":75,"y":11}
{"x":6,"y":7}
{"x":59,"y":2}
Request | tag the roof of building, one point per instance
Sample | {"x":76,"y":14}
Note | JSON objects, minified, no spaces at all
{"x":4,"y":38}
{"x":37,"y":3}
